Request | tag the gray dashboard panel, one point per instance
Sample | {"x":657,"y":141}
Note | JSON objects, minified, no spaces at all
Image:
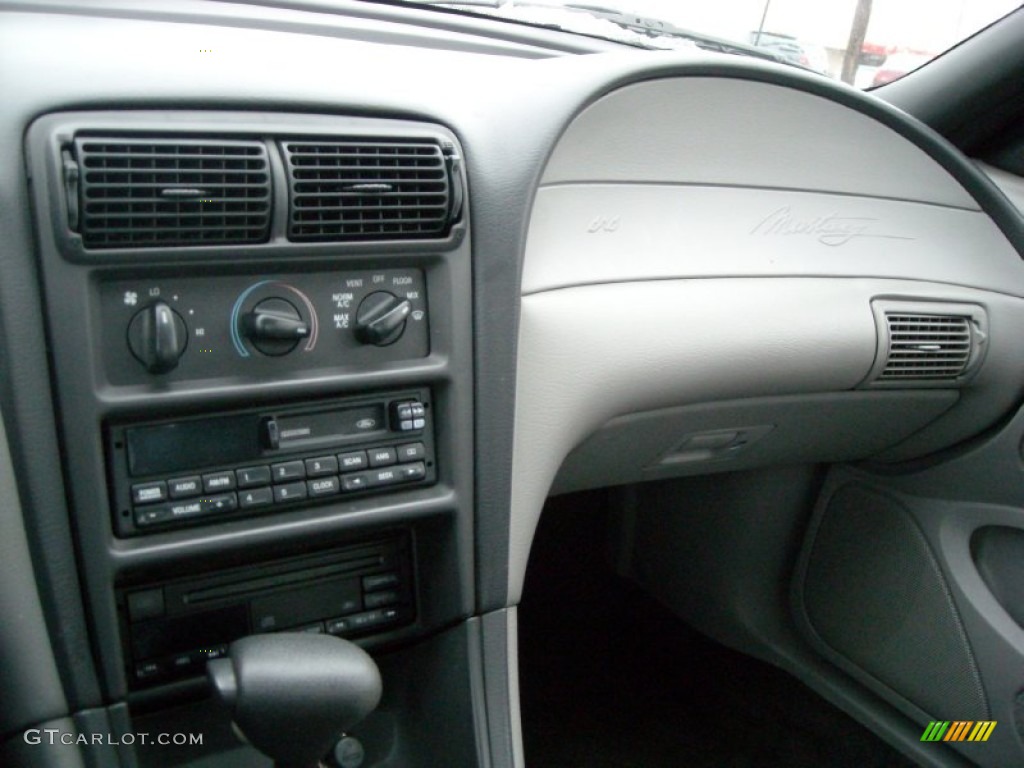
{"x":743,"y":133}
{"x":603,"y":232}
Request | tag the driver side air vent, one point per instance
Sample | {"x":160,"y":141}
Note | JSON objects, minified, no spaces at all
{"x":927,"y":344}
{"x":364,"y":189}
{"x":150,"y":192}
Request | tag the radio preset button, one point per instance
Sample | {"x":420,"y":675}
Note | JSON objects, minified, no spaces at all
{"x":183,"y":487}
{"x":324,"y":465}
{"x":382,"y":457}
{"x":324,"y":486}
{"x":218,"y":481}
{"x":257,"y":497}
{"x":358,"y":481}
{"x":149,"y":493}
{"x":289,"y":492}
{"x":288,"y":470}
{"x":352,"y":461}
{"x":411,"y":452}
{"x":250,"y":477}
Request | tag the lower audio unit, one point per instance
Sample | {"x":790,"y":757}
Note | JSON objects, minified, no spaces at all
{"x":205,"y":469}
{"x":171,"y":629}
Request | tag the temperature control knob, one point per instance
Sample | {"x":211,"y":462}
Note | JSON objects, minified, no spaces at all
{"x":157,"y":337}
{"x":380,"y":318}
{"x":274,"y":326}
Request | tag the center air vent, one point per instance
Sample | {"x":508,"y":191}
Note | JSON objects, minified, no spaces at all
{"x":156,"y":192}
{"x":369,"y":190}
{"x":927,"y":344}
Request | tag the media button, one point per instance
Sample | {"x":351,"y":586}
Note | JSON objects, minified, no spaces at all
{"x":257,"y":497}
{"x":357,"y":481}
{"x":250,"y":477}
{"x":324,"y":465}
{"x":222,"y":502}
{"x":149,"y":493}
{"x":382,"y":457}
{"x":184,"y":487}
{"x":218,"y":481}
{"x":289,"y":470}
{"x":411,"y":452}
{"x":289,"y":492}
{"x":352,"y":461}
{"x":324,"y":486}
{"x":410,"y":473}
{"x":379,"y":477}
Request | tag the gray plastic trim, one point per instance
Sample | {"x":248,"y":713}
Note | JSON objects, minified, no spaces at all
{"x":711,"y":131}
{"x":592,"y":353}
{"x":594,"y":233}
{"x":770,"y":431}
{"x":31,"y":685}
{"x":948,"y":524}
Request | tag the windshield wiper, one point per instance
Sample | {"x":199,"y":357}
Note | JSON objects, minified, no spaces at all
{"x":641,"y":31}
{"x":652,"y":27}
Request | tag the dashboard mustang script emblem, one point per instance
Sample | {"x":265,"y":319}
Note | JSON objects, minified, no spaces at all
{"x":832,"y":230}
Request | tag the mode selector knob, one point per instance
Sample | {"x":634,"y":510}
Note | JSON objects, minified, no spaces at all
{"x":380,"y":318}
{"x":274,"y":326}
{"x":157,"y":336}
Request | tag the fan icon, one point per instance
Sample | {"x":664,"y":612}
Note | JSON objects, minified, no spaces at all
{"x":131,"y":298}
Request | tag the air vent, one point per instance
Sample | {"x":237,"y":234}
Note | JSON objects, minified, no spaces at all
{"x":927,"y":344}
{"x":369,"y":190}
{"x":154,"y":192}
{"x":926,"y":347}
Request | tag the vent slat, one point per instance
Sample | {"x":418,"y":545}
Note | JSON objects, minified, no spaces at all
{"x":324,"y":207}
{"x":923,"y":347}
{"x":128,"y":192}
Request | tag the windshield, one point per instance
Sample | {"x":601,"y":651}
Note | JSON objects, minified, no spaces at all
{"x":863,"y":42}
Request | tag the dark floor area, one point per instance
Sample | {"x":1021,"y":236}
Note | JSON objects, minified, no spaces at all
{"x":610,"y":679}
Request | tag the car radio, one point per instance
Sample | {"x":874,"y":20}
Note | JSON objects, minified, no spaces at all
{"x":170,"y":629}
{"x":205,"y":469}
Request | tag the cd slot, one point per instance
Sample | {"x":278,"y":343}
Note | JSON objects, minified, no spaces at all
{"x":240,"y":589}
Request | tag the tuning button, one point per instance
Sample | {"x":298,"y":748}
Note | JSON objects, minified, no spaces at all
{"x":275,"y":327}
{"x":157,"y":337}
{"x":380,"y":318}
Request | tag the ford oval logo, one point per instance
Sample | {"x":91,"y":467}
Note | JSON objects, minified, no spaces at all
{"x":366,"y":424}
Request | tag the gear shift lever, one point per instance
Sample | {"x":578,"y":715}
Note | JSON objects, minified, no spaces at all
{"x":292,"y":695}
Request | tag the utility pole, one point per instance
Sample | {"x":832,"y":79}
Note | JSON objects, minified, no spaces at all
{"x":858,"y":31}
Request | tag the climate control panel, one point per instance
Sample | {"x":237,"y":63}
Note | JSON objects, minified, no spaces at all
{"x":235,"y":326}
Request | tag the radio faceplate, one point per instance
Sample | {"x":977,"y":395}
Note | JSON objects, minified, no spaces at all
{"x":169,"y":630}
{"x":206,"y":469}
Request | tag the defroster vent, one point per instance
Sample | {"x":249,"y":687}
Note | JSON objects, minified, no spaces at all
{"x":358,"y":189}
{"x":149,"y":192}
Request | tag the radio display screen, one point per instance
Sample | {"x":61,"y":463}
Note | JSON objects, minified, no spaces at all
{"x":184,"y":445}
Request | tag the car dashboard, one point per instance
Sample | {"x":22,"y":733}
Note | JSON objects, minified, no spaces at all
{"x":307,"y":311}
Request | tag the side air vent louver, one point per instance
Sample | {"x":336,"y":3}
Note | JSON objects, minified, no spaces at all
{"x":358,"y":189}
{"x":149,"y":192}
{"x":927,"y":344}
{"x":926,"y":347}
